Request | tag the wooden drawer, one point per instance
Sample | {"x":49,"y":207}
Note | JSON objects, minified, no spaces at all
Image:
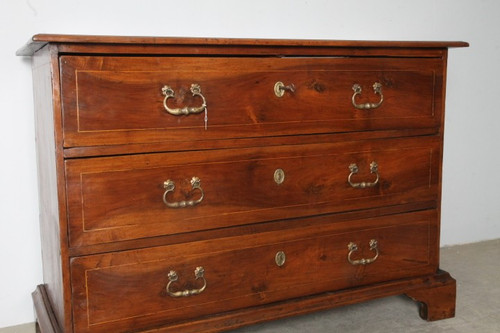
{"x":119,"y":100}
{"x":118,"y":291}
{"x":121,"y":198}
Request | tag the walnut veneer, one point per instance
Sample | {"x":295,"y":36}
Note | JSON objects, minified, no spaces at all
{"x":199,"y":185}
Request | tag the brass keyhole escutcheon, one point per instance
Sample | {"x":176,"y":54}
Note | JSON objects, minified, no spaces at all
{"x":280,"y":258}
{"x":279,"y":176}
{"x":280,"y":88}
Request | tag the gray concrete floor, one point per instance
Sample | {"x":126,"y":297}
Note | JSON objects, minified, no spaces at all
{"x":476,"y":267}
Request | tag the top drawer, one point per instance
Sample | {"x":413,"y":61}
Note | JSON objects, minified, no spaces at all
{"x":124,"y":100}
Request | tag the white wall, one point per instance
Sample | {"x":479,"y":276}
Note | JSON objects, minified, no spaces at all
{"x":471,"y":162}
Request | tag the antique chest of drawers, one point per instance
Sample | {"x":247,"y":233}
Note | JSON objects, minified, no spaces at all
{"x":199,"y":185}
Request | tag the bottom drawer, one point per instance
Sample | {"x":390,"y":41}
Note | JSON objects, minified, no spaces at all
{"x":118,"y":291}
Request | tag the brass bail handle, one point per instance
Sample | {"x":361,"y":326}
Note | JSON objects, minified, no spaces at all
{"x":354,"y":170}
{"x":169,"y":186}
{"x":353,"y":247}
{"x":168,"y":92}
{"x":199,"y":273}
{"x":377,"y":89}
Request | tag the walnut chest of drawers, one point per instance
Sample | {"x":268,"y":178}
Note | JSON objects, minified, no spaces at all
{"x":199,"y":185}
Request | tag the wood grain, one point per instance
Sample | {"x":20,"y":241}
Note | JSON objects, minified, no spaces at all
{"x":121,"y":198}
{"x":241,"y":271}
{"x":240,"y":97}
{"x":244,"y":45}
{"x":51,"y":187}
{"x":106,"y":145}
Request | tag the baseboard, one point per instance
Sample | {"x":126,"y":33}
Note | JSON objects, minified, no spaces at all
{"x":24,"y":328}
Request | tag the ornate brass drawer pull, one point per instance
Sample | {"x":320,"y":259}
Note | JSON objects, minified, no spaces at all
{"x":377,"y":89}
{"x":280,"y":88}
{"x":169,"y":186}
{"x":199,"y":273}
{"x":352,"y":247}
{"x":195,"y":90}
{"x":354,"y":170}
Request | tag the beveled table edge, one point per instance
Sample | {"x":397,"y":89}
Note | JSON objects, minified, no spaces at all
{"x":40,"y":40}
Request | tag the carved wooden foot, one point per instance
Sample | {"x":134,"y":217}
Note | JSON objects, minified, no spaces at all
{"x":45,"y":318}
{"x":437,"y":300}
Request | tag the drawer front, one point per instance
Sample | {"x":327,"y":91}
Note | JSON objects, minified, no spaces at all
{"x":129,"y":197}
{"x":121,"y":100}
{"x":140,"y":288}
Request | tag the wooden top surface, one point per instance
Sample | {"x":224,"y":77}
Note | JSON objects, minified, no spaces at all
{"x":40,"y":40}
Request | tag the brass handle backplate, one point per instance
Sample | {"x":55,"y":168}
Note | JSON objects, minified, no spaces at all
{"x":353,"y":247}
{"x":199,"y":273}
{"x":168,"y":92}
{"x":354,"y":170}
{"x":377,"y":89}
{"x":169,"y":186}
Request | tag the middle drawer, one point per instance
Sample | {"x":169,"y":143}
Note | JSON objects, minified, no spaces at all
{"x":131,"y":197}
